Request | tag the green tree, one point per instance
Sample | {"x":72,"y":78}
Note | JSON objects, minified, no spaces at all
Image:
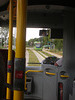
{"x":4,"y":33}
{"x":58,"y":44}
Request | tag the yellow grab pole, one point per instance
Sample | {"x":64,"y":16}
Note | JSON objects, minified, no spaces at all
{"x":21,"y":28}
{"x":10,"y":30}
{"x":8,"y":92}
{"x":19,"y":69}
{"x":9,"y":68}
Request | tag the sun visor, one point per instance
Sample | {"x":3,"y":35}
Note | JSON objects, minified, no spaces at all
{"x":56,"y":34}
{"x":44,"y":32}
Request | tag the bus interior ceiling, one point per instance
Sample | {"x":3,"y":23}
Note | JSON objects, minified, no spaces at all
{"x":56,"y":15}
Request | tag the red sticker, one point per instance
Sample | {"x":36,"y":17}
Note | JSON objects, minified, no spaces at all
{"x":9,"y":66}
{"x":19,"y":74}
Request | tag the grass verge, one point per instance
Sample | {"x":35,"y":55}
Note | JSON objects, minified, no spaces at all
{"x":46,"y":54}
{"x":57,"y":51}
{"x":41,"y":54}
{"x":33,"y":59}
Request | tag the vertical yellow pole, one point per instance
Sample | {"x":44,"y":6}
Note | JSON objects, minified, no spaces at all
{"x":19,"y":69}
{"x":9,"y":69}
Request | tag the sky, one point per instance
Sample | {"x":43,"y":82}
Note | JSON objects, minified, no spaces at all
{"x":31,"y":33}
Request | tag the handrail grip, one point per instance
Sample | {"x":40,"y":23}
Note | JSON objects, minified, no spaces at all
{"x":50,"y":73}
{"x":64,"y":76}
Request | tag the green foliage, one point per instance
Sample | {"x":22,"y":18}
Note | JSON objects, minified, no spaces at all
{"x":58,"y":44}
{"x":31,"y":42}
{"x":4,"y":33}
{"x":45,"y":39}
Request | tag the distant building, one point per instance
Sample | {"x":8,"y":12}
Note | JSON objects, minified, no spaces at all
{"x":49,"y":46}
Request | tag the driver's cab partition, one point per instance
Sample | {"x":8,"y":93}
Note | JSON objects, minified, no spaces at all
{"x":58,"y":83}
{"x":50,"y":82}
{"x":67,"y":78}
{"x":72,"y":97}
{"x":33,"y":83}
{"x":42,"y":81}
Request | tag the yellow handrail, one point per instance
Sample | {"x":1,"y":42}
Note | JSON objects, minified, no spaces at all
{"x":50,"y":73}
{"x":33,"y":71}
{"x":64,"y":76}
{"x":30,"y":71}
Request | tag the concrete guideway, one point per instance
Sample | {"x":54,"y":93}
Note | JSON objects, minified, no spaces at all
{"x":43,"y":54}
{"x":40,"y":58}
{"x":56,"y":55}
{"x":27,"y":57}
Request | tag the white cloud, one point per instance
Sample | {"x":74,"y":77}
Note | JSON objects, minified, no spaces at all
{"x":31,"y":33}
